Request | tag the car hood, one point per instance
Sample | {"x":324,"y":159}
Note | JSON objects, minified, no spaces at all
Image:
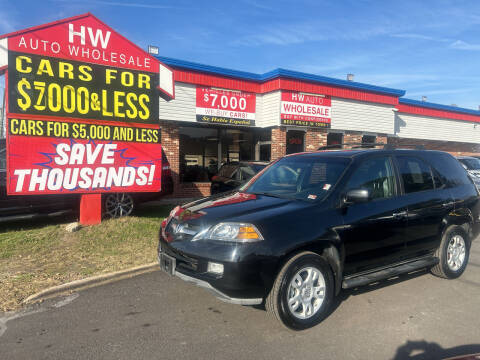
{"x":231,"y":206}
{"x":187,"y":220}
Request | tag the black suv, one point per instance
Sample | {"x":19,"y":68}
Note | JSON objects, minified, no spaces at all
{"x":311,"y":224}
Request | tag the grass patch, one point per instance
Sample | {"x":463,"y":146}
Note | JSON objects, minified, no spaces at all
{"x":39,"y":254}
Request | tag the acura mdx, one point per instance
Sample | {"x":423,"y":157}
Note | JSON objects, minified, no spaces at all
{"x":312,"y":224}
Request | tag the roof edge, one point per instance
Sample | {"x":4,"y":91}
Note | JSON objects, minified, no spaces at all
{"x":435,"y":106}
{"x":278,"y":73}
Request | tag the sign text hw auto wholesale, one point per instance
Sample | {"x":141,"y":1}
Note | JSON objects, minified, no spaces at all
{"x":305,"y":109}
{"x":82,"y":110}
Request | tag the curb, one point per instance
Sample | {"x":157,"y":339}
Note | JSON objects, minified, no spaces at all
{"x":91,"y":281}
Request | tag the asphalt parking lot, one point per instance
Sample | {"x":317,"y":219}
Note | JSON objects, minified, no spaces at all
{"x":153,"y":316}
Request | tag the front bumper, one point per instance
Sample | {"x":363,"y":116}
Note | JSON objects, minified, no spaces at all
{"x":218,"y":293}
{"x":241,"y":283}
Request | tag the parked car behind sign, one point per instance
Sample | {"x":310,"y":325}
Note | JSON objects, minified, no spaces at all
{"x":232,"y":175}
{"x":472,"y":165}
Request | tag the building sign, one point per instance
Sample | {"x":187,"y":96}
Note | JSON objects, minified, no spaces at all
{"x":225,"y":107}
{"x":49,"y":86}
{"x":305,"y":110}
{"x":53,"y":157}
{"x":82,"y":112}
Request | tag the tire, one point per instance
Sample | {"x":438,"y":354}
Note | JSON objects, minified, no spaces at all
{"x":118,"y":204}
{"x":451,"y":264}
{"x":297,"y":317}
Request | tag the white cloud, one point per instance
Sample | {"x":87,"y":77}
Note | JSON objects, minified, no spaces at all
{"x":419,"y":37}
{"x":281,"y":34}
{"x":257,"y":4}
{"x":462,"y":45}
{"x":441,"y":92}
{"x":118,"y":3}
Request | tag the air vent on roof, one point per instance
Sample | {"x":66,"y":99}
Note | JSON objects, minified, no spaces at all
{"x":153,"y":50}
{"x":424,"y":98}
{"x":350,"y":77}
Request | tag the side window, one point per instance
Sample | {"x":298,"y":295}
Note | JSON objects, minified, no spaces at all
{"x":375,"y":175}
{"x":415,"y":173}
{"x":3,"y":160}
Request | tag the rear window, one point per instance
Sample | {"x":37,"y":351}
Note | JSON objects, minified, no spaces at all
{"x":449,"y":169}
{"x":227,"y":170}
{"x":3,"y":159}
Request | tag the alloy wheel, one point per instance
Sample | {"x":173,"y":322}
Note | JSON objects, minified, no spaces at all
{"x":118,"y":205}
{"x":306,"y":292}
{"x":456,"y":252}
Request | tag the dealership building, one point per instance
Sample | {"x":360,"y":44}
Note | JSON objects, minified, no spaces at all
{"x":220,"y":115}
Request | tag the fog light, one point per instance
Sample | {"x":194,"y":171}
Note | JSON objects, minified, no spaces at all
{"x":215,"y":268}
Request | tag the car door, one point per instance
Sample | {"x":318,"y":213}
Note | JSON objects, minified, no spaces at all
{"x":374,"y":231}
{"x":428,"y":202}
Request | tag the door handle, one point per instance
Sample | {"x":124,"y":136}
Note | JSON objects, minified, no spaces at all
{"x":448,"y":204}
{"x":400,"y":215}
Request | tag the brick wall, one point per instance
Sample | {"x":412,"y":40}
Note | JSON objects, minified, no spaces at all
{"x":352,"y":137}
{"x":279,"y":142}
{"x":314,"y":138}
{"x":171,"y":146}
{"x":192,"y":190}
{"x":382,"y":139}
{"x":454,"y":148}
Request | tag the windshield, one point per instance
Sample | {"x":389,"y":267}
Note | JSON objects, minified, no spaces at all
{"x":471,"y":164}
{"x":305,"y":178}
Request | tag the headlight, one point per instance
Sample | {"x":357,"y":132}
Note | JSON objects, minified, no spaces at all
{"x":229,"y":231}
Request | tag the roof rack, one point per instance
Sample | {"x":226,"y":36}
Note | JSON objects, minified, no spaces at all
{"x":353,"y":145}
{"x":370,"y":145}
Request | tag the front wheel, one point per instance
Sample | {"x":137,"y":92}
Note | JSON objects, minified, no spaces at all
{"x":452,"y":253}
{"x":118,"y":205}
{"x":302,"y":292}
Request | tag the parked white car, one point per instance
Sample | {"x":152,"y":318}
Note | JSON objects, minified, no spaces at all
{"x":472,"y":165}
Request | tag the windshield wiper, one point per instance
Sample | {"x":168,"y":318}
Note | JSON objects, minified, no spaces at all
{"x":271,"y":195}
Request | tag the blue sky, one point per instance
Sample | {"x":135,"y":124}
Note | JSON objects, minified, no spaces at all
{"x":428,"y":48}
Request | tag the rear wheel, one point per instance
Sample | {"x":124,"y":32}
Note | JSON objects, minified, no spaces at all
{"x":302,"y":292}
{"x":118,"y":205}
{"x":453,"y":253}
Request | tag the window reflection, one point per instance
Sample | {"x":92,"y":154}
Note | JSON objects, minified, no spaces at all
{"x":204,"y":150}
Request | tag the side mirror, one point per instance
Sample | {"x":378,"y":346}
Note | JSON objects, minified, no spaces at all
{"x":357,"y":196}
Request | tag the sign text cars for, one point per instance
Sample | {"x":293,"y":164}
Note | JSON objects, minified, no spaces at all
{"x":82,"y":110}
{"x":225,"y":107}
{"x":305,"y":110}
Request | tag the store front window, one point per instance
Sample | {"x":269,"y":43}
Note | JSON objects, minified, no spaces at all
{"x":368,"y":139}
{"x":203,"y":150}
{"x":335,"y":139}
{"x":295,"y":141}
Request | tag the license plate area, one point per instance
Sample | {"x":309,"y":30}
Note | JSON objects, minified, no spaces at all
{"x":167,"y":263}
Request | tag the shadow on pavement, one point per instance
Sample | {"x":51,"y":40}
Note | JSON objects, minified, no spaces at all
{"x":37,"y":222}
{"x":423,"y":350}
{"x":346,"y":293}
